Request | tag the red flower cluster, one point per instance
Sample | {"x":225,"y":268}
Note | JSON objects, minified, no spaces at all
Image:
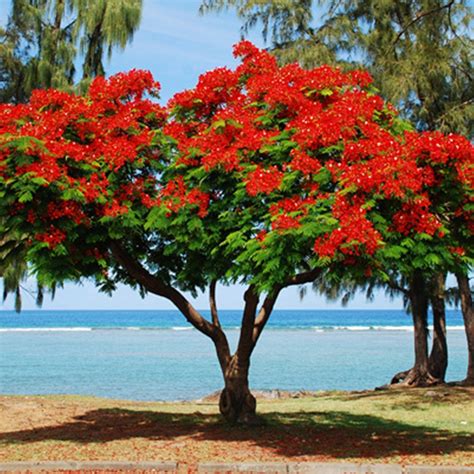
{"x":263,"y":180}
{"x":288,"y":212}
{"x":53,"y":237}
{"x":416,"y":217}
{"x":68,"y":210}
{"x":114,"y":209}
{"x":123,"y":86}
{"x":76,"y":143}
{"x":354,"y":236}
{"x":303,"y":162}
{"x":176,"y":195}
{"x":435,"y":149}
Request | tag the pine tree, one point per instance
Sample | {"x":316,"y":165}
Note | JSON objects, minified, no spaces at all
{"x":44,"y":39}
{"x":419,"y":51}
{"x":107,"y":24}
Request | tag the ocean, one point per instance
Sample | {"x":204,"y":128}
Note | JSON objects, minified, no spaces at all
{"x":156,"y":355}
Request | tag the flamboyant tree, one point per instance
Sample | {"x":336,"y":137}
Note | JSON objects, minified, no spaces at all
{"x":263,"y":175}
{"x":424,"y":233}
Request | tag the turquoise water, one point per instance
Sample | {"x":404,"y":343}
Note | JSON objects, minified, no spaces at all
{"x":153,"y":355}
{"x":280,"y":319}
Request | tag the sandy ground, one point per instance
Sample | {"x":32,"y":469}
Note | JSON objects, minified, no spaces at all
{"x":353,"y":427}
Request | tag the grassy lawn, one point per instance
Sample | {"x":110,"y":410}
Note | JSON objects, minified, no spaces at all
{"x":434,"y":426}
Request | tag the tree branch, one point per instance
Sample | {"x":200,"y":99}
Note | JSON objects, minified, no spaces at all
{"x":395,"y":286}
{"x":264,"y":313}
{"x":418,"y":17}
{"x":304,"y":277}
{"x":213,"y":305}
{"x":246,"y":345}
{"x":158,"y":287}
{"x":269,"y":302}
{"x":457,"y":106}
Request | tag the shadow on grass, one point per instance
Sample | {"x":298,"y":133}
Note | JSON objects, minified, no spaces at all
{"x":334,"y":434}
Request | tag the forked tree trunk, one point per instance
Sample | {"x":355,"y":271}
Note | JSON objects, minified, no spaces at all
{"x":419,"y":375}
{"x":468,"y":315}
{"x":438,"y":361}
{"x":236,"y":403}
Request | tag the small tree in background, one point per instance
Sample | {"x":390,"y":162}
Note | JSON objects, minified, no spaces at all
{"x":262,"y":175}
{"x":426,"y":231}
{"x":430,"y":236}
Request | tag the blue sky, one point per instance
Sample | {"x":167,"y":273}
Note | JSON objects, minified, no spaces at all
{"x":177,"y":44}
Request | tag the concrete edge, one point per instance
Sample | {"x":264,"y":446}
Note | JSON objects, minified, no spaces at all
{"x":217,"y":467}
{"x":343,"y":468}
{"x":299,"y":468}
{"x":263,"y":468}
{"x":438,"y":470}
{"x":30,"y":466}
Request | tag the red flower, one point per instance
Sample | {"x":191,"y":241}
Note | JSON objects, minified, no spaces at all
{"x":53,"y":237}
{"x":263,"y":180}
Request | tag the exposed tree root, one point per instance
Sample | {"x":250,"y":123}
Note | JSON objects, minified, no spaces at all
{"x":415,"y":378}
{"x":400,"y":377}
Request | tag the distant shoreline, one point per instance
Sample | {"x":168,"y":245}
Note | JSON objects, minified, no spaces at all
{"x":232,"y":328}
{"x":115,"y":362}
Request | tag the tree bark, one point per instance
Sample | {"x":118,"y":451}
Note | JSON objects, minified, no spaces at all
{"x":438,"y":361}
{"x":419,"y":375}
{"x":468,"y":316}
{"x":236,"y":403}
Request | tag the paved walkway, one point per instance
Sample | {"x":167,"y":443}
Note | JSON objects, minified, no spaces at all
{"x":75,"y":467}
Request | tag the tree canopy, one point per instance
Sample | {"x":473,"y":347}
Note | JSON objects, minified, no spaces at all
{"x":263,"y":175}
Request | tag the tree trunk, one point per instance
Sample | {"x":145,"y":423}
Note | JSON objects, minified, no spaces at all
{"x":236,"y":403}
{"x":438,"y":361}
{"x":468,"y":315}
{"x":418,"y":375}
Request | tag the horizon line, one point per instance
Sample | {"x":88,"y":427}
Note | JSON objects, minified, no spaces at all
{"x":224,"y":309}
